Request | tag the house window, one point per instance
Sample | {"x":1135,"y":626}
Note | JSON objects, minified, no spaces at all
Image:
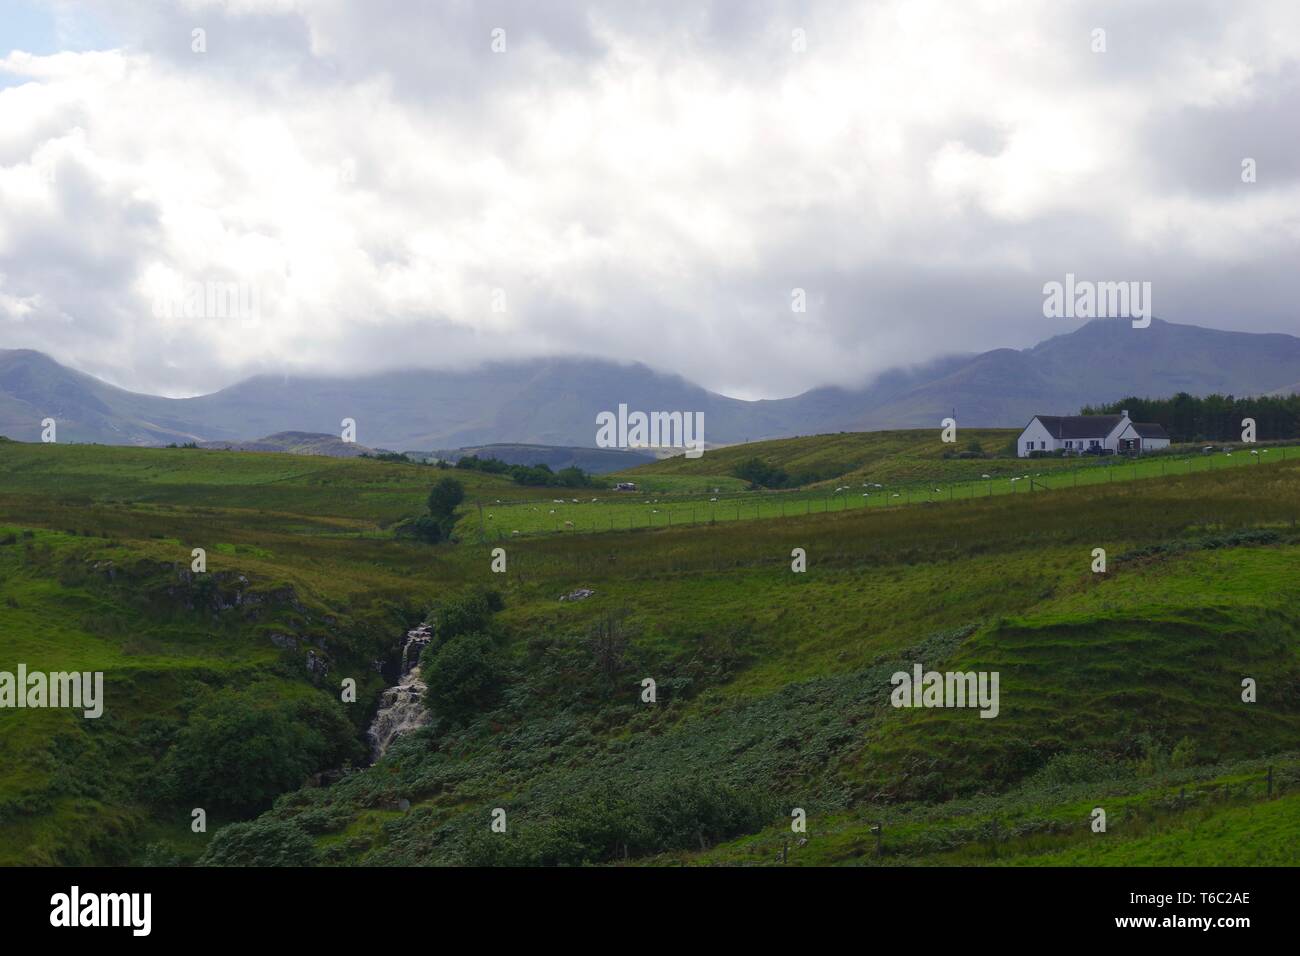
{"x":1069,"y":444}
{"x":1042,"y":445}
{"x":1029,"y":446}
{"x":1093,"y":443}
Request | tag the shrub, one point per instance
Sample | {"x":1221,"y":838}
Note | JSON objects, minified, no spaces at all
{"x":607,"y":823}
{"x":260,"y":843}
{"x":760,"y":474}
{"x":472,"y":612}
{"x":1184,"y":754}
{"x":464,"y":676}
{"x":237,"y":752}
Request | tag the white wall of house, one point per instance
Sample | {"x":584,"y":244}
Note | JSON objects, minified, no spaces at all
{"x":1125,"y":432}
{"x":1123,"y":426}
{"x":1035,"y":437}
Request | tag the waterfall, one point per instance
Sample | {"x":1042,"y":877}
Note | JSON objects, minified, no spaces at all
{"x":401,"y":707}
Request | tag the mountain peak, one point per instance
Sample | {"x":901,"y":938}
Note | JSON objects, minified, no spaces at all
{"x":554,"y":401}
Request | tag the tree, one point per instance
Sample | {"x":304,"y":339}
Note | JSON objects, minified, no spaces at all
{"x":239,"y":752}
{"x":445,"y":498}
{"x":464,"y":677}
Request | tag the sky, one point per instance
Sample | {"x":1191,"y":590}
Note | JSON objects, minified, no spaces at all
{"x":195,"y":191}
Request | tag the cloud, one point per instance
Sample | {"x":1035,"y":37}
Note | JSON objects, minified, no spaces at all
{"x":638,"y":182}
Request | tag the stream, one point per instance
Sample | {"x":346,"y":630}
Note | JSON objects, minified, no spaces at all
{"x":401,"y":707}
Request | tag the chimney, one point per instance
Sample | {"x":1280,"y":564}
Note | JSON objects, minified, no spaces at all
{"x":1124,"y":414}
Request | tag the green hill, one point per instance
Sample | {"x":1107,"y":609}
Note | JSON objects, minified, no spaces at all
{"x":1120,"y":690}
{"x":846,"y":456}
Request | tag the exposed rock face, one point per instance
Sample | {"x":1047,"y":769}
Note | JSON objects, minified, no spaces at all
{"x":581,"y":594}
{"x":317,"y":666}
{"x":401,"y":708}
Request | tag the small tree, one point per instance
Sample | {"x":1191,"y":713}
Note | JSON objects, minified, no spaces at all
{"x":464,"y":677}
{"x":445,"y":496}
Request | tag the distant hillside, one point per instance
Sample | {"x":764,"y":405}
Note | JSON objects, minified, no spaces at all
{"x":882,"y":455}
{"x":33,"y":387}
{"x":555,"y":401}
{"x":595,"y":461}
{"x":1099,"y":362}
{"x":297,"y":443}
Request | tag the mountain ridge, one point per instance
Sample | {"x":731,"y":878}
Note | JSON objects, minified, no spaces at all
{"x":554,"y":401}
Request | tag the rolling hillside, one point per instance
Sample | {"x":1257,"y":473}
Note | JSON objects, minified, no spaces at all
{"x":1120,"y":689}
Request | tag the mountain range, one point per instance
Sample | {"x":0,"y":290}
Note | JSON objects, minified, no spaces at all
{"x":554,"y":401}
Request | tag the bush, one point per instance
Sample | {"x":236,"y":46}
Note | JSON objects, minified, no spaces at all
{"x":1184,"y":754}
{"x":260,"y":843}
{"x":760,"y":474}
{"x":607,"y":823}
{"x":426,"y":529}
{"x":238,"y":753}
{"x":472,"y":612}
{"x":464,"y":676}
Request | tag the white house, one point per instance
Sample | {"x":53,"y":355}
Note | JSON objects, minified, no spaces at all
{"x":1095,"y":434}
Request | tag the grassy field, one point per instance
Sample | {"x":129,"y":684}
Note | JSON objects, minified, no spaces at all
{"x":1120,"y":690}
{"x":626,"y":511}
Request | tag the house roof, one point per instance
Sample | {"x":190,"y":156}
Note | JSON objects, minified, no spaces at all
{"x":1150,"y":430}
{"x":1080,"y":426}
